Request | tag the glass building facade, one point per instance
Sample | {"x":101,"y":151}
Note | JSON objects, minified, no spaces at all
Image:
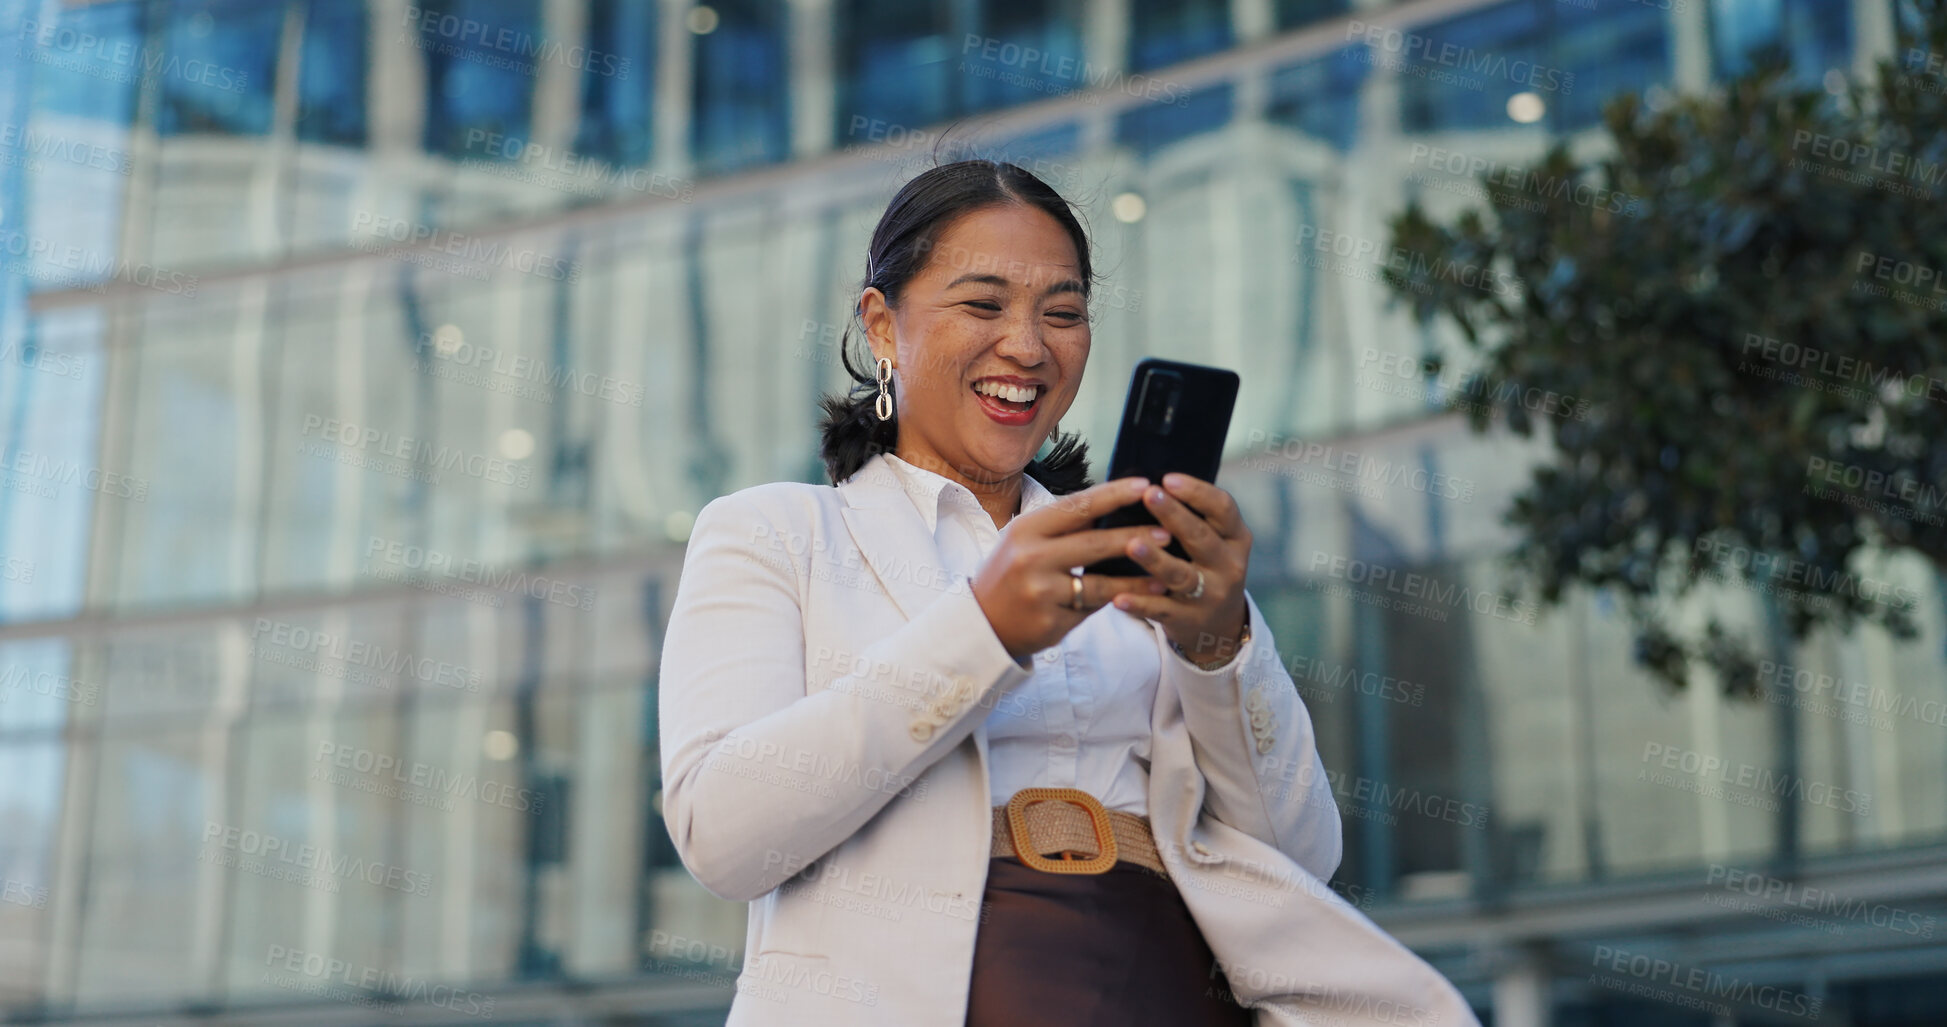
{"x":364,"y":362}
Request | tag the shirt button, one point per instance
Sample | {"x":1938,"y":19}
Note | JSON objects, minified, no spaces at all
{"x":1064,"y":741}
{"x":1202,"y":850}
{"x":921,"y":731}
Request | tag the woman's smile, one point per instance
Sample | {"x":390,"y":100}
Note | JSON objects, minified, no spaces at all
{"x":1009,"y":399}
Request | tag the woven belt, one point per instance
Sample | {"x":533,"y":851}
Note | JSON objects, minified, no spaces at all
{"x":1067,"y":821}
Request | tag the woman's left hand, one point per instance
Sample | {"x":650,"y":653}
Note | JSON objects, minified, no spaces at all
{"x":1219,"y":546}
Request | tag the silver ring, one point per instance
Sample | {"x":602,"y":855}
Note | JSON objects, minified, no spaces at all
{"x":1198,"y":594}
{"x":1075,"y":603}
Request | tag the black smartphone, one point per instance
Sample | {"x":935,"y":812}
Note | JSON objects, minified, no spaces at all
{"x":1175,"y":419}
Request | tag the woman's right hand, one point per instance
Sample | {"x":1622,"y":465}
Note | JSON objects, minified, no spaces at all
{"x":1024,"y":587}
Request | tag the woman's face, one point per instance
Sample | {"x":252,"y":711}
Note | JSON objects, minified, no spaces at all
{"x":999,"y":300}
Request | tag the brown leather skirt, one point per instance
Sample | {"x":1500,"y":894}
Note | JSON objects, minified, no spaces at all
{"x":1116,"y":949}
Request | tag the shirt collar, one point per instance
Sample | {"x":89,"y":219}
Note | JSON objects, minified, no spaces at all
{"x":930,"y":490}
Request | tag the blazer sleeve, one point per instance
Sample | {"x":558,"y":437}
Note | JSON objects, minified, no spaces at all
{"x":761,"y":778}
{"x":1252,"y":739}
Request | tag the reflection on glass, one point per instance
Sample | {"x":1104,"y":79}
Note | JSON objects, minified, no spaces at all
{"x":481,"y":65}
{"x":742,"y":114}
{"x":331,"y":73}
{"x":218,"y":67}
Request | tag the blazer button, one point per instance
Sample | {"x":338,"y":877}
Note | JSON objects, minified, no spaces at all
{"x":1263,"y":744}
{"x":1261,"y":718}
{"x":1202,"y":849}
{"x":1255,"y":701}
{"x":922,"y":730}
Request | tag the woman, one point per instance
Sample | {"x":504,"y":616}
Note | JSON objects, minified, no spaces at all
{"x":899,"y":724}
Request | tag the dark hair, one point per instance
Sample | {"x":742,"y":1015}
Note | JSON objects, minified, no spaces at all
{"x":901,"y":244}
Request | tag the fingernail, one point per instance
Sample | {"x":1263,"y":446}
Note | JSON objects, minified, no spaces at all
{"x":1122,"y":602}
{"x":1159,"y":534}
{"x":1156,"y":495}
{"x":1142,"y":549}
{"x":1173,"y":480}
{"x":1157,"y":588}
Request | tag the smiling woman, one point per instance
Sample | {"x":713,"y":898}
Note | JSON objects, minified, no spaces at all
{"x":928,"y":728}
{"x":965,"y":252}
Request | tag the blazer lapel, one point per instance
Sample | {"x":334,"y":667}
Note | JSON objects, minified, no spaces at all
{"x":893,"y":538}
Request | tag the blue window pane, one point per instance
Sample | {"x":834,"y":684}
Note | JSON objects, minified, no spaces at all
{"x":1293,"y":13}
{"x":217,"y":68}
{"x":618,"y":86}
{"x":1151,"y":128}
{"x":1458,"y":74}
{"x":899,"y":63}
{"x":331,"y":73}
{"x":480,"y":71}
{"x":1814,"y":34}
{"x":1022,"y":51}
{"x":1319,"y":98}
{"x":743,"y":111}
{"x":85,"y":61}
{"x":1163,"y":32}
{"x":1610,"y":49}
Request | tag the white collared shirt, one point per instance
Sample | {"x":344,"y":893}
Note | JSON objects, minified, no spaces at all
{"x":1083,"y":717}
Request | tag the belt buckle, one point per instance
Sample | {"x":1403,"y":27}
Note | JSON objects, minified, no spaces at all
{"x":1017,"y":822}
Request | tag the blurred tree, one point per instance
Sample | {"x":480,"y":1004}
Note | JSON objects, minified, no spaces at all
{"x":1746,"y":299}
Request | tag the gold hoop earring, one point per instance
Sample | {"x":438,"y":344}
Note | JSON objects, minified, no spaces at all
{"x":884,"y":405}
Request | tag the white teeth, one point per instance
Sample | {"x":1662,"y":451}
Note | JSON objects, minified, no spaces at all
{"x":1011,"y":393}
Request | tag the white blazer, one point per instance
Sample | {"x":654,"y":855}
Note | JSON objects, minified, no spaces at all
{"x":822,"y":698}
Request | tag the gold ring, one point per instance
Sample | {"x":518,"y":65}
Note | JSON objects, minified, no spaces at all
{"x":1076,"y":601}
